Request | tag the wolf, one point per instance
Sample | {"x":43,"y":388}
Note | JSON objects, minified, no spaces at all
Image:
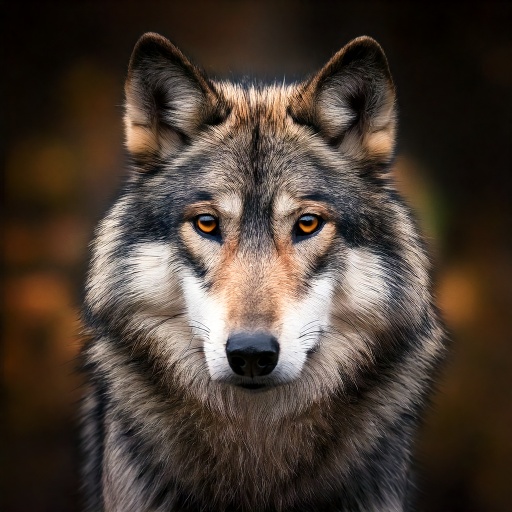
{"x":261,"y":332}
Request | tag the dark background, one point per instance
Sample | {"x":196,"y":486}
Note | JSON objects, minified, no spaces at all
{"x":62,"y":69}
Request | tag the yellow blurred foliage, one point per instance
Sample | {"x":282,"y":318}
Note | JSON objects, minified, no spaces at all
{"x":42,"y":170}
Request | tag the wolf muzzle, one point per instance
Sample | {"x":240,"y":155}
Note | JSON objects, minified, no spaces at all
{"x":252,"y":354}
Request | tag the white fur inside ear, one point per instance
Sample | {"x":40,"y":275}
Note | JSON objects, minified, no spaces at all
{"x":183,"y":100}
{"x":336,"y":116}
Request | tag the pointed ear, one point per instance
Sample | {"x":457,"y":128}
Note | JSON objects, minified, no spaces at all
{"x":168,"y":100}
{"x":351,"y":102}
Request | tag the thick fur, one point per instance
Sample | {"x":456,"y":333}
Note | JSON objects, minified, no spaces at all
{"x":168,"y":426}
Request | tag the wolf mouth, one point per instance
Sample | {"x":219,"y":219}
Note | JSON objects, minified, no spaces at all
{"x":253,"y":386}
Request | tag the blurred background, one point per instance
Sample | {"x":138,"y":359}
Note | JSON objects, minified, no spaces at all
{"x":63,"y":69}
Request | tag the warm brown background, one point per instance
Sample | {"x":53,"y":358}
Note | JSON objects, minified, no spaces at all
{"x":61,"y":86}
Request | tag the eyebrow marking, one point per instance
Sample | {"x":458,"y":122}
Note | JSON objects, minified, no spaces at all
{"x":227,"y":204}
{"x":285,"y":204}
{"x":201,"y":195}
{"x":230,"y":204}
{"x":317,"y":196}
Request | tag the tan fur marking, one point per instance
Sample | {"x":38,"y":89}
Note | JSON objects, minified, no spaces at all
{"x":380,"y":144}
{"x":141,"y":139}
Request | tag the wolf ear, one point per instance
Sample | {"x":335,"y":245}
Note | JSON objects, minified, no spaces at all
{"x":351,"y":102}
{"x":168,"y":100}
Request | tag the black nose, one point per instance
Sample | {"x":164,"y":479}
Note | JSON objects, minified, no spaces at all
{"x":252,"y":354}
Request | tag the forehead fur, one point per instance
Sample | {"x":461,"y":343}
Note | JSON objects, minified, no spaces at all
{"x":257,"y":104}
{"x":259,"y":144}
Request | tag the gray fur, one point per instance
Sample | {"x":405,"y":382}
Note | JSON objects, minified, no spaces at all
{"x":167,"y":425}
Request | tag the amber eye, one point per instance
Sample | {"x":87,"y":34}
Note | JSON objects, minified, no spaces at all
{"x":207,"y":224}
{"x":307,"y":225}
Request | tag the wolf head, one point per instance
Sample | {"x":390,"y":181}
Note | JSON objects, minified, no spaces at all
{"x":259,"y":245}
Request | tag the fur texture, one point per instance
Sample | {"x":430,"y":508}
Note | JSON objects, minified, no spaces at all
{"x":169,"y":424}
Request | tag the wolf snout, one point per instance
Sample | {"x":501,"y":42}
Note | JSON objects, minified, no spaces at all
{"x":252,"y":354}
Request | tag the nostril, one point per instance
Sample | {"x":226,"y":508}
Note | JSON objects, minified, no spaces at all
{"x":264,"y":361}
{"x":238,"y":361}
{"x":252,"y":354}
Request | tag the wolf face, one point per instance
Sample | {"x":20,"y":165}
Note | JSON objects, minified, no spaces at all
{"x":259,"y":258}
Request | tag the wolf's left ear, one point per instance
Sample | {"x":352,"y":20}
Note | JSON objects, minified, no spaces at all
{"x":351,"y":102}
{"x":168,"y":100}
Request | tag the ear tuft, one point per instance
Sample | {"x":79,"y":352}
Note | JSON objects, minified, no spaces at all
{"x":168,"y":100}
{"x":351,"y":102}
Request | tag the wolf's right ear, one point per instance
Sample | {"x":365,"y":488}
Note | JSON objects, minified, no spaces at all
{"x":168,"y":100}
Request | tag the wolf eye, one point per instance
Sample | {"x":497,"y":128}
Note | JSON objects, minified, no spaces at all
{"x":307,"y":225}
{"x":207,"y":224}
